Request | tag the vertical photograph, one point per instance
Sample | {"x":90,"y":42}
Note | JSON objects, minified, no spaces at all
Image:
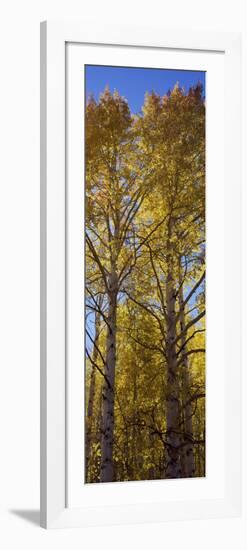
{"x":145,"y":274}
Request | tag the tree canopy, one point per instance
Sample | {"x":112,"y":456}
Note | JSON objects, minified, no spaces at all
{"x":145,"y":285}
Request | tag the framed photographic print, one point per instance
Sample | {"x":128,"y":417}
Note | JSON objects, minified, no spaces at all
{"x":140,"y":275}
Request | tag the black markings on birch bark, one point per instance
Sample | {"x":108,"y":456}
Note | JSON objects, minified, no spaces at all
{"x":187,"y":450}
{"x":107,"y":438}
{"x":91,"y":399}
{"x":173,"y":468}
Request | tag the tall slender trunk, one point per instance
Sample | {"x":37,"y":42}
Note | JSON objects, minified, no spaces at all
{"x":98,"y":432}
{"x":91,"y":398}
{"x":107,"y":469}
{"x":187,"y":450}
{"x":173,"y":469}
{"x":135,"y":419}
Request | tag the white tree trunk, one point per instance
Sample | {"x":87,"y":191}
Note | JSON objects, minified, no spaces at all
{"x":91,"y":398}
{"x":107,"y":469}
{"x":188,"y":460}
{"x":173,"y":438}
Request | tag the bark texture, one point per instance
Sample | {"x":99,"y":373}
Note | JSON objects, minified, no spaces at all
{"x":187,"y":449}
{"x":173,"y":439}
{"x":91,"y":399}
{"x":107,"y":469}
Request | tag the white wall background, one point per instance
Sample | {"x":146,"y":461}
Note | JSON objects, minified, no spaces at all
{"x":19,"y":273}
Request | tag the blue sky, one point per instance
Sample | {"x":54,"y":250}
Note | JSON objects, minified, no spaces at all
{"x":132,"y":83}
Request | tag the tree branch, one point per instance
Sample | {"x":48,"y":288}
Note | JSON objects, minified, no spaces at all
{"x":95,"y":345}
{"x":188,"y":339}
{"x":191,"y":293}
{"x":192,"y":351}
{"x":146,"y":309}
{"x":98,"y":368}
{"x":96,"y":257}
{"x":190,"y":324}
